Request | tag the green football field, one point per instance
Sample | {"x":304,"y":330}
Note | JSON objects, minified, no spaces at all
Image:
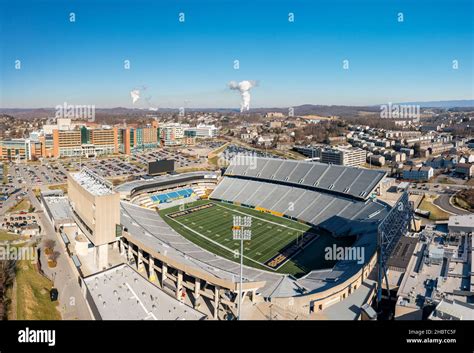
{"x":278,"y":244}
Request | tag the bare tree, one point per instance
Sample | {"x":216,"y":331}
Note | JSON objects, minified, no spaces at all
{"x":55,"y":255}
{"x":7,"y":276}
{"x":49,"y":243}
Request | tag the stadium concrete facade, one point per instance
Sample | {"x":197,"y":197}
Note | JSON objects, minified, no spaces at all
{"x":95,"y":209}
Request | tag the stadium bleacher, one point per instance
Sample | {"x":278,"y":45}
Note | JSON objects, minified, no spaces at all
{"x":171,"y":196}
{"x":334,"y":198}
{"x":309,"y":206}
{"x":350,"y":181}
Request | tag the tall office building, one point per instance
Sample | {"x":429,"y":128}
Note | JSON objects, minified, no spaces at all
{"x":349,"y":156}
{"x":203,"y":131}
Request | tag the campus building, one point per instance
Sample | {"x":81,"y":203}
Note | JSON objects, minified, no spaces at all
{"x":461,"y":224}
{"x":202,"y":131}
{"x":347,"y":156}
{"x":172,"y":134}
{"x":64,"y":140}
{"x":129,"y":139}
{"x":19,"y":150}
{"x":84,"y":142}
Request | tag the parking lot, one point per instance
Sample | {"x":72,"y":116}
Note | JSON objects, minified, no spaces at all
{"x":8,"y":197}
{"x":232,"y":150}
{"x":14,"y":222}
{"x":113,"y":167}
{"x":181,"y":157}
{"x":36,"y":174}
{"x":53,"y":172}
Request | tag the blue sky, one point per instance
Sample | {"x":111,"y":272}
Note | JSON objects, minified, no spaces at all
{"x":190,"y":63}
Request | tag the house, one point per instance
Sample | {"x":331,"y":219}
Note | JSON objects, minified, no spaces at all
{"x":441,"y":162}
{"x":466,"y":158}
{"x":465,"y":170}
{"x":417,"y":173}
{"x":266,"y":140}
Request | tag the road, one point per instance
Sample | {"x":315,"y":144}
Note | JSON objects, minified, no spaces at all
{"x":443,"y":202}
{"x":6,"y":205}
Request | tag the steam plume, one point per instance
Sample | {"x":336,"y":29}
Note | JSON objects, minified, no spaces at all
{"x":244,"y":88}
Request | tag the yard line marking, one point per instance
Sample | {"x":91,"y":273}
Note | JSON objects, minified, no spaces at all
{"x":219,"y":244}
{"x":261,"y":219}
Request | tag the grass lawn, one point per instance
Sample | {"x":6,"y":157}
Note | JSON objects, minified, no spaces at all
{"x":31,"y":298}
{"x":6,"y":236}
{"x":465,"y":199}
{"x":138,"y":164}
{"x":219,"y":149}
{"x":436,"y":214}
{"x":62,"y":187}
{"x":211,"y":229}
{"x":212,"y":161}
{"x":23,"y":205}
{"x":37,"y":192}
{"x":213,"y":156}
{"x":461,"y":203}
{"x":445,"y":180}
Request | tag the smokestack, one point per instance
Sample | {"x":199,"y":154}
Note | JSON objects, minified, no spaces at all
{"x":244,"y":88}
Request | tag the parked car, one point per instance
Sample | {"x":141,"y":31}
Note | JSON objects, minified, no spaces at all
{"x":53,"y":294}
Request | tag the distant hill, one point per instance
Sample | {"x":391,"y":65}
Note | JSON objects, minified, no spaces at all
{"x":344,"y":111}
{"x":322,"y":110}
{"x":466,"y":103}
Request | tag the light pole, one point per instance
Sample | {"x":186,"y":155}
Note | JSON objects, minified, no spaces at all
{"x":241,"y":274}
{"x":240,"y":233}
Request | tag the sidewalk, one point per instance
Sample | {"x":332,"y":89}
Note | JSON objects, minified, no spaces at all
{"x":72,"y":303}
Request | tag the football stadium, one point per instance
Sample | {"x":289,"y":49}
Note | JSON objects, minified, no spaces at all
{"x":278,"y":244}
{"x":177,"y":230}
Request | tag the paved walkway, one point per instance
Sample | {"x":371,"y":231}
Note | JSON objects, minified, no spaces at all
{"x":72,"y":303}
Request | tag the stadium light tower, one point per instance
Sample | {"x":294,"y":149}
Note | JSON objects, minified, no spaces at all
{"x":240,"y":233}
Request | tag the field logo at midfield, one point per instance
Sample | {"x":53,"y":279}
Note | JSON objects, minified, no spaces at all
{"x":339,"y":253}
{"x":244,"y":159}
